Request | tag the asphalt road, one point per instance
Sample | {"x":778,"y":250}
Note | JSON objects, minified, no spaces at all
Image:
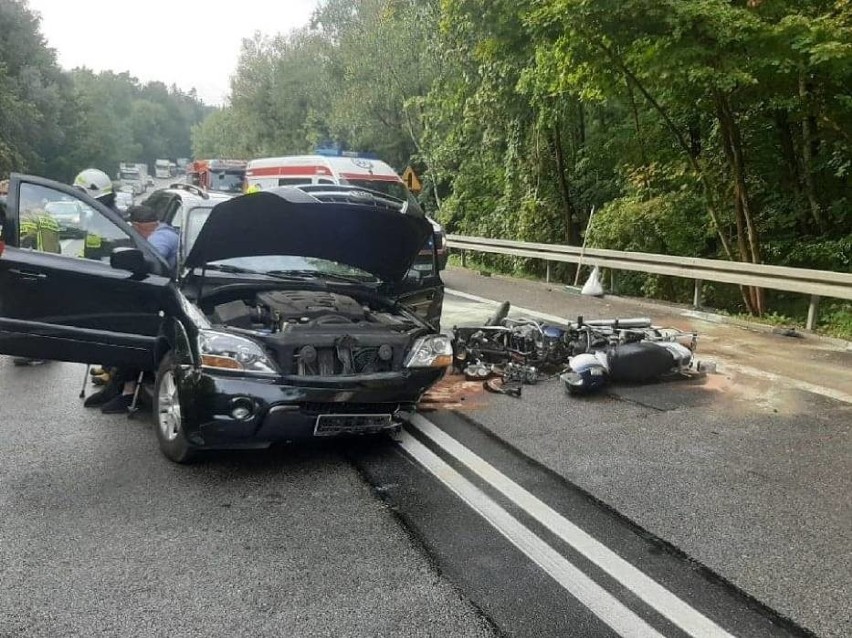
{"x":670,"y":510}
{"x":746,"y":471}
{"x":101,"y":535}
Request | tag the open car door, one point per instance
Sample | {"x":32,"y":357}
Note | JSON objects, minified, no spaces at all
{"x":76,"y":282}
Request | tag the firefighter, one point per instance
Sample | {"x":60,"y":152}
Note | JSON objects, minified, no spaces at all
{"x":39,"y":231}
{"x":98,"y":185}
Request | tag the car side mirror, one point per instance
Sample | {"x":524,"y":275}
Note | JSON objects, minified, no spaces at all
{"x":131,"y":259}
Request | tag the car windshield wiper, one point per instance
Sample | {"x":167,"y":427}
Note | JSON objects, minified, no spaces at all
{"x":316,"y":274}
{"x":236,"y":270}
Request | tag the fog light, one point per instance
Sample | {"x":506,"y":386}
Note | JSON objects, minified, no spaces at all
{"x":242,"y":409}
{"x":385,"y":352}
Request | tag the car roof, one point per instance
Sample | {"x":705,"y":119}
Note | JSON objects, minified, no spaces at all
{"x":346,"y":167}
{"x":191,"y":192}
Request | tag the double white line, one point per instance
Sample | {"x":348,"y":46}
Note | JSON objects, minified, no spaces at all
{"x":603,"y":604}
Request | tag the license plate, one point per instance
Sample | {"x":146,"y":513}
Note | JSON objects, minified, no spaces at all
{"x":331,"y":424}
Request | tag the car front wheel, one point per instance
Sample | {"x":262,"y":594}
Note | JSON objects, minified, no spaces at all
{"x":168,"y":416}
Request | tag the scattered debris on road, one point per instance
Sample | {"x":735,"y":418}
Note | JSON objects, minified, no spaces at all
{"x":507,"y":353}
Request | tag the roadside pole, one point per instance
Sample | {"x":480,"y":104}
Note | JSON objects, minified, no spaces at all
{"x":583,"y":248}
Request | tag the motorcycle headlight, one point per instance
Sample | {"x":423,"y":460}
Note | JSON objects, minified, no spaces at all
{"x":224,"y":351}
{"x":431,"y":352}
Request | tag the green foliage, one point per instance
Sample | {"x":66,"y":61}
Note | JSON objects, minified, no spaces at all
{"x":705,"y":128}
{"x":55,"y":123}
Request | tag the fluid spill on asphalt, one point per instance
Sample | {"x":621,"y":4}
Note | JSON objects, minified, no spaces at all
{"x":453,"y":392}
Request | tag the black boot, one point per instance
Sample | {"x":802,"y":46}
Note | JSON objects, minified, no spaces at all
{"x":118,"y":405}
{"x":109,"y":392}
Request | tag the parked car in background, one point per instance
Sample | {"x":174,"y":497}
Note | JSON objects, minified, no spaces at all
{"x":130,"y":177}
{"x":123,"y":201}
{"x":70,"y":215}
{"x":169,"y":203}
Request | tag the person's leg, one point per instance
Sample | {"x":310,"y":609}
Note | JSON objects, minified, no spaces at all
{"x":122,"y":402}
{"x":111,"y":390}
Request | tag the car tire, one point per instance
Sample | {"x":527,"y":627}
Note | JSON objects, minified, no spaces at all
{"x":168,"y":415}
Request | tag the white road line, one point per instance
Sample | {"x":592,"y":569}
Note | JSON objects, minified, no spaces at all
{"x":677,"y":611}
{"x":603,"y":604}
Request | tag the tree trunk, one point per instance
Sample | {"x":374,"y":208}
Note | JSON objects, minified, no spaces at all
{"x":695,"y":143}
{"x":572,"y":234}
{"x":748,"y":241}
{"x":792,"y":179}
{"x":430,"y":167}
{"x":681,"y":140}
{"x":808,"y":144}
{"x":636,"y":126}
{"x":581,"y":125}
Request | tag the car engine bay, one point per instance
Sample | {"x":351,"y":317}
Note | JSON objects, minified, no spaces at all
{"x":320,"y":333}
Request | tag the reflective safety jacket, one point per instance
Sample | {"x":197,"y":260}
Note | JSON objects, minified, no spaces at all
{"x":40,"y":232}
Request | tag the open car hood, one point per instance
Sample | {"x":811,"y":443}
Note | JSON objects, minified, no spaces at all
{"x":381,"y":240}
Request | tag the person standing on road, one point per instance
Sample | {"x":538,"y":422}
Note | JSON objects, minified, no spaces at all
{"x":97,"y":185}
{"x":165,"y":240}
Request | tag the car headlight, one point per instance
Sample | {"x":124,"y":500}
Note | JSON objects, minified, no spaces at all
{"x":431,"y":352}
{"x":224,"y":351}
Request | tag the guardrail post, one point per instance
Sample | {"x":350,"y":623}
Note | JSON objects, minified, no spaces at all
{"x":613,"y":282}
{"x":696,"y":295}
{"x":547,"y":272}
{"x":463,"y":258}
{"x":813,"y":310}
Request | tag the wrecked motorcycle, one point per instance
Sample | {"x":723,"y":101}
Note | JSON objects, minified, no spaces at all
{"x":587,"y":354}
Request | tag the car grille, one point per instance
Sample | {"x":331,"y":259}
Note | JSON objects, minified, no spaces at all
{"x":337,"y":361}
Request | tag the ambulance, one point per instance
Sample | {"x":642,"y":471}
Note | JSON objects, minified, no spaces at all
{"x":366,"y":173}
{"x":343,"y":169}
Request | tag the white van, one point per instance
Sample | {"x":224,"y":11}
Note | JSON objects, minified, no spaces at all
{"x":369,"y":174}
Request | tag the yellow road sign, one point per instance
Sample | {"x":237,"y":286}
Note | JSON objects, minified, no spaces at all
{"x":411,"y":180}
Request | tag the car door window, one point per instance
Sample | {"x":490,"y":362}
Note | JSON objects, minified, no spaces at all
{"x":51,"y":221}
{"x":159,"y":203}
{"x":173,"y":213}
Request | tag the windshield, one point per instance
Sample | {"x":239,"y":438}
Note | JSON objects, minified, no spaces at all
{"x":129,"y":174}
{"x":396,"y":190}
{"x":197,"y":217}
{"x":227,"y":181}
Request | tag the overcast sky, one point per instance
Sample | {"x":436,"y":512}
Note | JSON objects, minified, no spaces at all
{"x":185,"y":42}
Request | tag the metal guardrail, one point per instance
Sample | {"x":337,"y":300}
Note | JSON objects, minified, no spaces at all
{"x":816,"y":283}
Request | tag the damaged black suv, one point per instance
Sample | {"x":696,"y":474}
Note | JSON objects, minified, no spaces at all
{"x":295,"y":312}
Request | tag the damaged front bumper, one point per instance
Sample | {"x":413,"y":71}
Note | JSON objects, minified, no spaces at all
{"x":225,"y":411}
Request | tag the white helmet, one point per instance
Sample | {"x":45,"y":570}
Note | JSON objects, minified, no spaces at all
{"x":94,"y":183}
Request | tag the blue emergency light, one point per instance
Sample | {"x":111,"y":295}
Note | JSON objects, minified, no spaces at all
{"x":333,"y":151}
